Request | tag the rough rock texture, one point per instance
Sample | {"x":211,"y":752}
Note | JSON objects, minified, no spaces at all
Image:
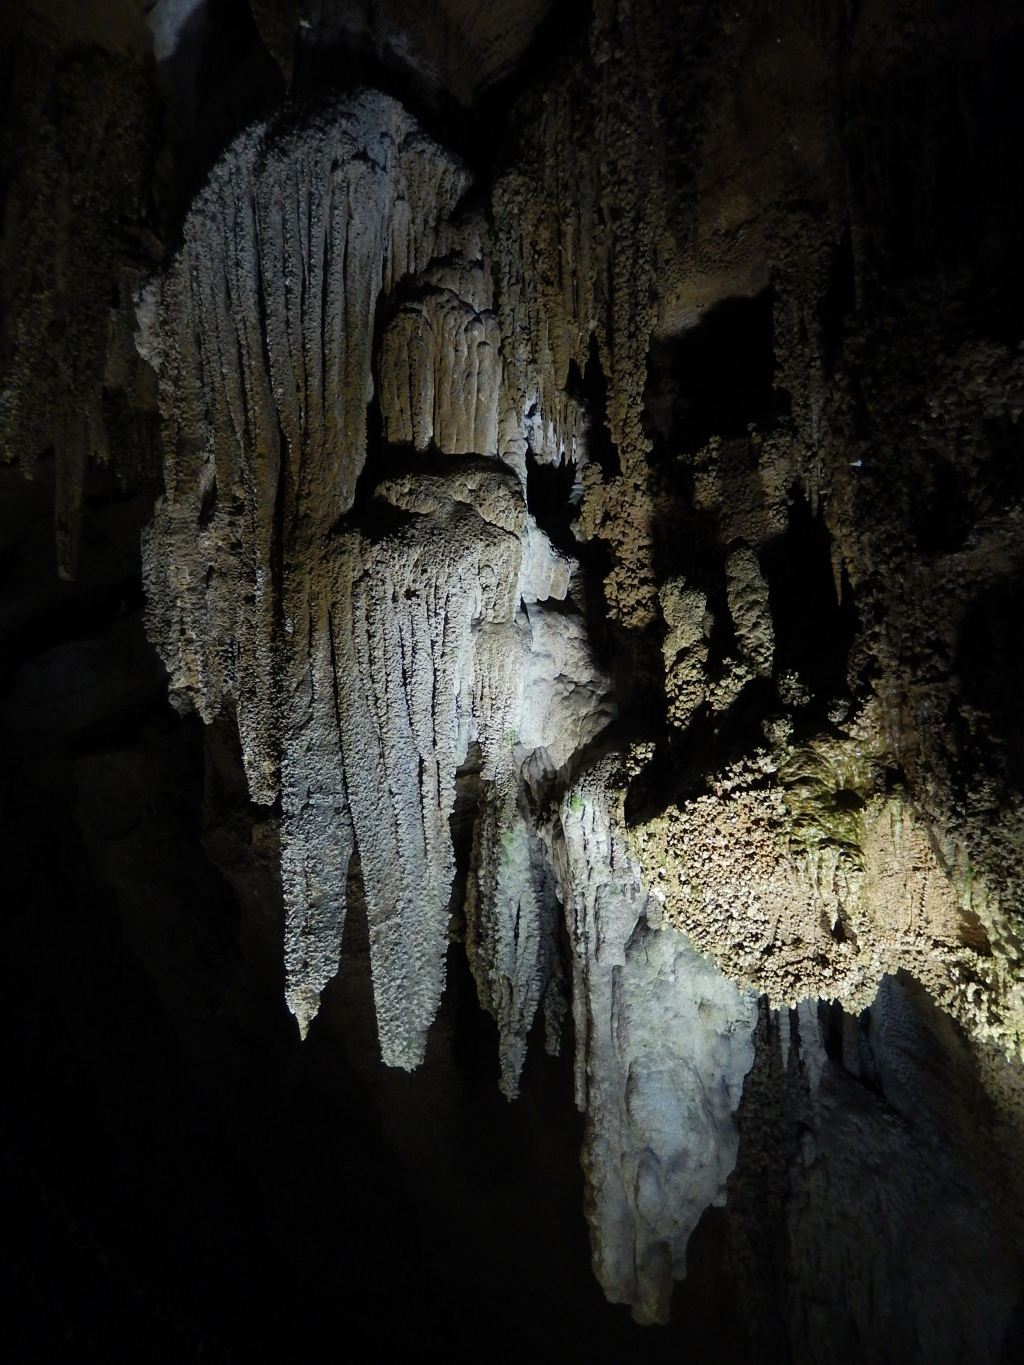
{"x":598,"y":518}
{"x":556,"y":700}
{"x":386,"y":635}
{"x":808,"y":633}
{"x":339,"y":657}
{"x":75,"y":249}
{"x":440,"y":364}
{"x":375,"y":743}
{"x":822,"y":872}
{"x":265,"y":380}
{"x":364,"y":650}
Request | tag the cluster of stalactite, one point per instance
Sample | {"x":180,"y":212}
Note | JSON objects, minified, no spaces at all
{"x":357,"y":373}
{"x":384,"y":615}
{"x":360,"y":373}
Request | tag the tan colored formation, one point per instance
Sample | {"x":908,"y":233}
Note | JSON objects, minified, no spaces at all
{"x":819,"y":882}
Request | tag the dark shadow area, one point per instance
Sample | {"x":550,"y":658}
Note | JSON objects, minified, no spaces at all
{"x":219,"y":79}
{"x":838,"y":301}
{"x":990,"y":662}
{"x":941,"y":516}
{"x":814,"y":627}
{"x":1001,"y":475}
{"x":326,"y":62}
{"x":686,"y":763}
{"x":551,"y":502}
{"x":928,"y":156}
{"x":590,"y":390}
{"x":716,"y":378}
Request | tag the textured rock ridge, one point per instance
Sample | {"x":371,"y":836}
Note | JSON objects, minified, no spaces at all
{"x":383,"y":625}
{"x":703,"y":359}
{"x":359,"y":379}
{"x":401,"y":616}
{"x":268,"y":320}
{"x":440,"y":365}
{"x":512,"y":911}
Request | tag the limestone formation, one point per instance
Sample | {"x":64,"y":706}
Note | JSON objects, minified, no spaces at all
{"x":369,"y":642}
{"x":266,"y":376}
{"x":660,"y":1101}
{"x":440,"y":366}
{"x":802,"y":875}
{"x":356,"y":379}
{"x":594,"y":502}
{"x":365,"y":649}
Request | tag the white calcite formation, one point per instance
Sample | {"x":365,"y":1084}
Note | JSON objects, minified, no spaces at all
{"x":268,"y":317}
{"x":512,"y":909}
{"x":679,"y":425}
{"x":341,"y":655}
{"x":365,"y":651}
{"x":663,"y":1045}
{"x":440,"y":363}
{"x":345,"y":557}
{"x":375,"y":757}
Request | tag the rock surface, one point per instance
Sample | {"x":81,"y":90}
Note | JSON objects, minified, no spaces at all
{"x":663,"y":1045}
{"x":597,"y":518}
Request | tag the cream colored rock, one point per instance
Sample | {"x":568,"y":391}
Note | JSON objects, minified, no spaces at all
{"x":440,"y":360}
{"x":747,"y":595}
{"x":803,"y":877}
{"x":267,"y":347}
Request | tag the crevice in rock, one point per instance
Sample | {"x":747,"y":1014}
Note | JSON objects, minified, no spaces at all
{"x":716,"y":378}
{"x":590,"y":390}
{"x":815,"y":622}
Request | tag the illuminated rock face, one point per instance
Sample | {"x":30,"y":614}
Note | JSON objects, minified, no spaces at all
{"x":376,"y":618}
{"x":459,"y":512}
{"x":364,"y":647}
{"x":609,"y":558}
{"x":266,"y":377}
{"x":663,"y":1046}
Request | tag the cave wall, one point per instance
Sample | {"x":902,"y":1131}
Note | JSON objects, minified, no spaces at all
{"x":587,"y":528}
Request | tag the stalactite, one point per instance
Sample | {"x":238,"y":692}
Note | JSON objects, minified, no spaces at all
{"x":360,"y":378}
{"x":403,"y":611}
{"x":364,"y":648}
{"x":663,"y":1045}
{"x":440,"y":368}
{"x":558,"y":705}
{"x":268,"y":321}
